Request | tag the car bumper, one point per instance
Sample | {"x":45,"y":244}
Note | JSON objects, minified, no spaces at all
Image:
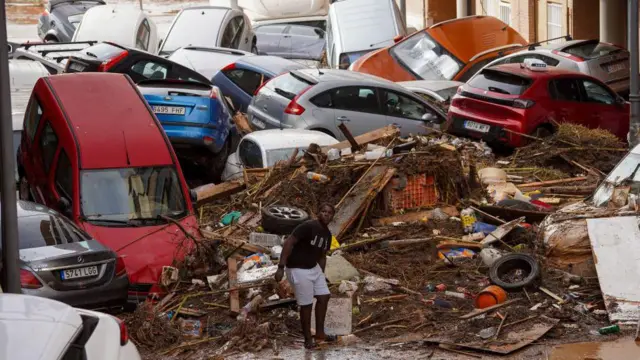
{"x":112,"y":294}
{"x":260,"y":121}
{"x":498,"y":132}
{"x":193,"y":137}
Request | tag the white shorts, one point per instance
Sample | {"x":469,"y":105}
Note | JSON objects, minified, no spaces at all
{"x":307,"y":283}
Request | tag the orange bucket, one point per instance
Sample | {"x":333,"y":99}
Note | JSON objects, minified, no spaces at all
{"x":491,"y":295}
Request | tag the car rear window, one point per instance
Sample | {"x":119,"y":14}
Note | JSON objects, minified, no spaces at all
{"x":47,"y":230}
{"x":287,"y":85}
{"x":500,"y":82}
{"x":591,"y":50}
{"x":103,"y":51}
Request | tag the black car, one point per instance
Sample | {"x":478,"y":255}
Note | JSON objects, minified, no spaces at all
{"x":60,"y":19}
{"x":139,"y":65}
{"x":60,"y":261}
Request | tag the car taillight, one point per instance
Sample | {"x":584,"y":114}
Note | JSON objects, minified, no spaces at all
{"x":294,"y":108}
{"x":522,"y":103}
{"x":105,"y":66}
{"x":124,"y":333}
{"x":120,"y":268}
{"x":231,"y":66}
{"x":208,"y":140}
{"x":28,"y":280}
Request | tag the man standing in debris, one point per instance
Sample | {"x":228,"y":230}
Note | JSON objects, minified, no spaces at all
{"x":304,"y":255}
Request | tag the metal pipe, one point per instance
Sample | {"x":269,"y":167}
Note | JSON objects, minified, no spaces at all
{"x":461,"y":8}
{"x":634,"y":96}
{"x":403,"y":11}
{"x":11,"y":272}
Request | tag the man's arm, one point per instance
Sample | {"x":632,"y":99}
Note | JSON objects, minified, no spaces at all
{"x":322,"y":261}
{"x":287,"y":248}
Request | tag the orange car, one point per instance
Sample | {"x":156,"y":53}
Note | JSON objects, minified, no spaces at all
{"x":450,"y":50}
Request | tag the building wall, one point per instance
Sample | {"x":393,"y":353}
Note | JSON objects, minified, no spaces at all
{"x":522,"y":16}
{"x":439,"y":10}
{"x":586,"y":19}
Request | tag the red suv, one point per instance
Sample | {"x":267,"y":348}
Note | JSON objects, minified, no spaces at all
{"x":501,"y":101}
{"x":92,"y":149}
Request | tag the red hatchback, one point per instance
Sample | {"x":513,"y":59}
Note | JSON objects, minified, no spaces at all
{"x":501,"y":101}
{"x":92,"y":149}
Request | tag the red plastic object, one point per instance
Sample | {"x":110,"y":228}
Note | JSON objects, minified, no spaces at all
{"x":419,"y":192}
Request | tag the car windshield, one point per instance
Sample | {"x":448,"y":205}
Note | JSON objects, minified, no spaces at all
{"x":625,"y":176}
{"x":426,"y":58}
{"x":275,"y":155}
{"x":121,"y":195}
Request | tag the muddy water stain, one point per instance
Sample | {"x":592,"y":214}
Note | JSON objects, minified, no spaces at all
{"x":621,"y":349}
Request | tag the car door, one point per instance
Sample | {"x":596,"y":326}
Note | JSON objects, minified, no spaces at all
{"x":358,"y":107}
{"x":286,"y":44}
{"x":305,"y":42}
{"x":30,"y":158}
{"x":407,"y":113}
{"x":268,"y":39}
{"x":46,"y":149}
{"x":566,"y":102}
{"x":600,"y":105}
{"x":62,"y":183}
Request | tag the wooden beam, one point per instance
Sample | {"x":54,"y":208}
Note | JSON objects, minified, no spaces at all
{"x":413,"y":217}
{"x":234,"y":295}
{"x":367,"y":138}
{"x":210,"y":192}
{"x":554,"y":182}
{"x":345,"y":130}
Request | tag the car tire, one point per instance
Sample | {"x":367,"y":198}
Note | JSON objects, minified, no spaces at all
{"x":281,"y":219}
{"x":509,"y":262}
{"x":542,"y":132}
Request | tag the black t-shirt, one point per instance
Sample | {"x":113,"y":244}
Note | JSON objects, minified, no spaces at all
{"x":314,"y":240}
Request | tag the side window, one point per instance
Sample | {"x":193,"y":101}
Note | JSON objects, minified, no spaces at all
{"x":270,"y":29}
{"x":233,"y":33}
{"x":49,"y":145}
{"x":235,"y":43}
{"x":150,"y":70}
{"x":33,"y":118}
{"x":597,"y":94}
{"x":250,"y":154}
{"x":565,"y":90}
{"x":247,"y":80}
{"x":142,"y":38}
{"x":303,"y":31}
{"x":547,"y":60}
{"x":475,"y":68}
{"x":322,"y":100}
{"x":398,"y":105}
{"x":354,"y":98}
{"x":64,"y":177}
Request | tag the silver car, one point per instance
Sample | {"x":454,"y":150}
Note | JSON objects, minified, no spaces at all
{"x":439,"y":91}
{"x":606,"y":62}
{"x":62,"y":262}
{"x":322,"y":99}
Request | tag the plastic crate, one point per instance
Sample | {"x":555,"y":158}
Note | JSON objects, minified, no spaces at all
{"x":419,"y":192}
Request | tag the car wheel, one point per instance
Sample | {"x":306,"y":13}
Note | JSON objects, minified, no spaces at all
{"x":542,"y":132}
{"x":514,"y":271}
{"x":51,"y":40}
{"x":281,"y":220}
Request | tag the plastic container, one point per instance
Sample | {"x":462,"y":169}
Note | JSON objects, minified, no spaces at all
{"x":489,"y":296}
{"x":333,"y":154}
{"x":317,"y":177}
{"x":480,"y":227}
{"x":468,"y":217}
{"x":613,"y":329}
{"x":490,"y":255}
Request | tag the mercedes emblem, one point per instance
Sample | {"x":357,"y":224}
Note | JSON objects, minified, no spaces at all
{"x":80,"y":259}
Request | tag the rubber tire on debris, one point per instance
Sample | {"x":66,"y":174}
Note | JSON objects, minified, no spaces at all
{"x":510,"y":262}
{"x":281,"y":220}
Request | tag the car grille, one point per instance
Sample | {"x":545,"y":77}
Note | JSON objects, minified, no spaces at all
{"x":489,"y":99}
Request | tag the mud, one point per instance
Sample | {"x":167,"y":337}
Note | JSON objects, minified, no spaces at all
{"x":625,"y":348}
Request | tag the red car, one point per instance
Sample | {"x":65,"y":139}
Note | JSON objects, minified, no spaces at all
{"x":501,"y":101}
{"x":93,"y":150}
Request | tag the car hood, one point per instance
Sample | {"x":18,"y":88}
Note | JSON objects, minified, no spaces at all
{"x":35,"y":328}
{"x":147,"y":249}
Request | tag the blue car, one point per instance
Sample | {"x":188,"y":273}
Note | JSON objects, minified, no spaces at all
{"x":241,"y":79}
{"x":196,"y":118}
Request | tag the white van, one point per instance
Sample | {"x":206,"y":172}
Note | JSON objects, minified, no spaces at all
{"x":122,"y":24}
{"x":299,"y":12}
{"x":356,"y":27}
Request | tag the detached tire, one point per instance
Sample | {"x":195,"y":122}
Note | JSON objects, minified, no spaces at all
{"x":281,"y":220}
{"x":507,"y":264}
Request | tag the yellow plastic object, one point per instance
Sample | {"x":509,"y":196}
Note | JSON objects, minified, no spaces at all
{"x":334,"y":243}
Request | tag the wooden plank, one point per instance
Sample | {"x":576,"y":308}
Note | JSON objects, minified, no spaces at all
{"x":479,"y":312}
{"x":413,"y":217}
{"x":359,"y":198}
{"x":242,"y":123}
{"x":210,"y":192}
{"x":553,"y":182}
{"x":235,"y":243}
{"x":367,"y":138}
{"x":234,"y":295}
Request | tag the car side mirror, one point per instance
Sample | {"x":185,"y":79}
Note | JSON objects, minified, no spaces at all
{"x":620,"y":101}
{"x":193,"y":195}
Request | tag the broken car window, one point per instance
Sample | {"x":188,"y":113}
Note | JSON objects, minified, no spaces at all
{"x":426,"y":58}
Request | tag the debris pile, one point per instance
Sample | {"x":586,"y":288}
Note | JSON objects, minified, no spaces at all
{"x":435,"y":240}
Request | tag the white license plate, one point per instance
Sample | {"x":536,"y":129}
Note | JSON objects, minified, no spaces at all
{"x":77,"y":67}
{"x":616,"y":67}
{"x":171,"y":110}
{"x":472,"y":125}
{"x":79,"y":272}
{"x":258,"y":123}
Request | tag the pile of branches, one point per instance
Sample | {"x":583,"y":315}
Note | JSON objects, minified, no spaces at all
{"x":152,"y":330}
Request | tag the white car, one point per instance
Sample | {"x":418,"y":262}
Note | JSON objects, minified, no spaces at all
{"x":37,"y":328}
{"x":124,"y":25}
{"x":265,"y":148}
{"x":210,"y":26}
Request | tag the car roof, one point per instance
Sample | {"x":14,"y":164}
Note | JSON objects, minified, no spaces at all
{"x":108,"y":115}
{"x":326,"y":75}
{"x":368,"y":29}
{"x":271,"y":64}
{"x":121,"y":21}
{"x":551,"y":71}
{"x":433,"y":85}
{"x":40,"y":328}
{"x":28,"y":208}
{"x":289,"y":138}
